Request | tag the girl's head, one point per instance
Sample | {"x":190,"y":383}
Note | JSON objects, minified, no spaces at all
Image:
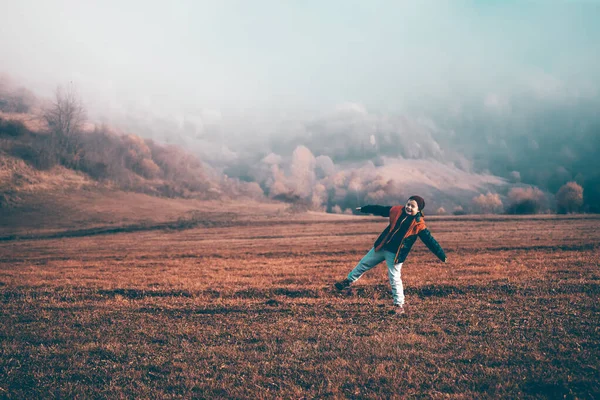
{"x":414,"y":205}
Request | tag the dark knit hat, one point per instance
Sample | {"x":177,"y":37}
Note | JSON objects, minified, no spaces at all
{"x":420,"y":201}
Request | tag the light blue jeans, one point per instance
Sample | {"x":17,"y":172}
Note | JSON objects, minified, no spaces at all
{"x":370,"y":260}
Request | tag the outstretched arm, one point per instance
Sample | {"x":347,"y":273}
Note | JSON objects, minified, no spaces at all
{"x":383,"y":211}
{"x":432,"y":244}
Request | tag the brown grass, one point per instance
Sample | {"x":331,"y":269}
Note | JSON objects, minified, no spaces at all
{"x":95,"y":209}
{"x":247,"y":311}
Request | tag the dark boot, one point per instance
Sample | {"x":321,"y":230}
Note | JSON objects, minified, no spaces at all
{"x":343,"y":284}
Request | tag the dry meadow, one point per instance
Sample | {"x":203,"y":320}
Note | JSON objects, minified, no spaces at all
{"x":247,"y":310}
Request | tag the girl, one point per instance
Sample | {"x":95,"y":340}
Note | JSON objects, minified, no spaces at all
{"x":394,"y":244}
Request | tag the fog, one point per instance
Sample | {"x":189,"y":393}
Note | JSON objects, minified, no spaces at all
{"x":334,"y":104}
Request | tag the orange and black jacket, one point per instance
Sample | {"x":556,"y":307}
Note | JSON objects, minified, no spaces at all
{"x":402,"y":232}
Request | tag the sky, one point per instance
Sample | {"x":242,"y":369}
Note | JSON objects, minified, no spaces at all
{"x":468,"y":84}
{"x":288,"y":55}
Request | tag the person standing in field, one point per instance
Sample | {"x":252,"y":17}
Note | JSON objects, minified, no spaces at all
{"x":394,"y":243}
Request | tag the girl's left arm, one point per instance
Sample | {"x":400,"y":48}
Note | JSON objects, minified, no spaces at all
{"x":432,"y":244}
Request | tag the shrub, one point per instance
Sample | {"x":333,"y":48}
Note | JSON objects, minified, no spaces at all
{"x":147,"y":168}
{"x":175,"y":163}
{"x":489,"y":203}
{"x":96,"y":170}
{"x":137,"y":150}
{"x":569,"y":198}
{"x":35,"y":154}
{"x":458,"y":210}
{"x":103,"y":155}
{"x":528,"y":200}
{"x":12,"y":128}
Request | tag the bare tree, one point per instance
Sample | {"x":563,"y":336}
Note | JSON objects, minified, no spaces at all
{"x":65,"y":118}
{"x":66,"y":115}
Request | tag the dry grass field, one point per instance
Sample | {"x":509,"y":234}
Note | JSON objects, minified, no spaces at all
{"x":246,"y":310}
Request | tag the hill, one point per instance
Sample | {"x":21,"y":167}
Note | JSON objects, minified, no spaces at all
{"x":74,"y":176}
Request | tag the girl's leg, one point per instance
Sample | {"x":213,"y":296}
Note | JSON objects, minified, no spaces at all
{"x":394,"y":273}
{"x":371,"y":259}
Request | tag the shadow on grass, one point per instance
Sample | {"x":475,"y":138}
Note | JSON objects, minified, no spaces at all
{"x":174,"y":312}
{"x":140,"y":293}
{"x":496,"y":289}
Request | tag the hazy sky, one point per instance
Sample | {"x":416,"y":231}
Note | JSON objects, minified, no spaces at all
{"x":301,"y":55}
{"x":317,"y":97}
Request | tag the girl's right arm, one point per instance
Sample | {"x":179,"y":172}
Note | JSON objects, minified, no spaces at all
{"x":383,"y":211}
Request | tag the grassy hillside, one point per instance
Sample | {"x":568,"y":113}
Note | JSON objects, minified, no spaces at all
{"x":78,"y":212}
{"x":127,"y":162}
{"x":50,"y":144}
{"x":94,"y":177}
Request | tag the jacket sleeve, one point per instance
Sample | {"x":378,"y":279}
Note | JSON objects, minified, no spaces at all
{"x":383,"y":211}
{"x":432,"y":244}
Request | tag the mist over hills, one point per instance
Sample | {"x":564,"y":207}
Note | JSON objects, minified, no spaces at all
{"x":344,"y":156}
{"x":337,"y":160}
{"x":478,"y":106}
